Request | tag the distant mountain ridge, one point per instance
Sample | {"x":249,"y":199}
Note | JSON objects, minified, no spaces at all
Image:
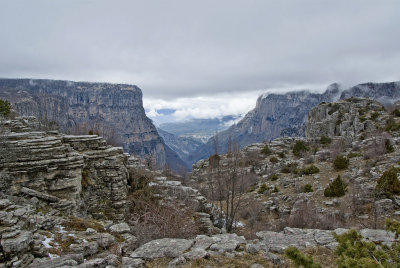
{"x":277,"y":115}
{"x":382,"y":92}
{"x":183,"y":146}
{"x":69,"y":103}
{"x":201,"y":129}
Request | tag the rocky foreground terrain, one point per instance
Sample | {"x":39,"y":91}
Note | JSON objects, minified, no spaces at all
{"x":75,"y":201}
{"x":288,"y":188}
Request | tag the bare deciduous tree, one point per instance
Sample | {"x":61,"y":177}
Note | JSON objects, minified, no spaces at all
{"x":226,"y":185}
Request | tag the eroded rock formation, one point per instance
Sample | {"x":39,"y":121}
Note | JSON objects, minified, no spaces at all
{"x":118,"y":108}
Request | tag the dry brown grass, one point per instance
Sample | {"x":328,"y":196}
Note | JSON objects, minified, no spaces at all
{"x":325,"y":257}
{"x":80,"y":224}
{"x":218,"y":261}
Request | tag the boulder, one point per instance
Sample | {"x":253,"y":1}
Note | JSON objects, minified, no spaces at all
{"x":120,"y":228}
{"x":166,"y":247}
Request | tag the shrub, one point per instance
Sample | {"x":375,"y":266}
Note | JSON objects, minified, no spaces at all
{"x":308,"y":188}
{"x":262,"y":188}
{"x":159,"y":220}
{"x":5,"y":107}
{"x":266,"y":150}
{"x":341,"y":162}
{"x":139,"y":179}
{"x":325,"y":140}
{"x":81,"y":224}
{"x":300,"y":259}
{"x":388,"y":184}
{"x":391,"y":125}
{"x":388,"y":146}
{"x":273,"y":177}
{"x":275,"y":190}
{"x":335,"y":108}
{"x":396,"y":112}
{"x":353,"y":154}
{"x":310,"y":170}
{"x":290,"y":168}
{"x":374,"y":115}
{"x":393,"y":226}
{"x":299,"y":148}
{"x":337,"y":188}
{"x":214,"y":160}
{"x":281,"y":154}
{"x":274,"y":160}
{"x":353,"y":251}
{"x":86,"y":181}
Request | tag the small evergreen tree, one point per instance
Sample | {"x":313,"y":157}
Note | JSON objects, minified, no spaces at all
{"x":274,"y":160}
{"x":273,"y":177}
{"x":5,"y":108}
{"x":300,"y":259}
{"x":299,"y":148}
{"x":262,"y":188}
{"x":266,"y":150}
{"x":337,"y":188}
{"x":354,"y":252}
{"x":325,"y":140}
{"x":310,"y":170}
{"x":341,"y":162}
{"x":308,"y":188}
{"x":281,"y":154}
{"x":388,"y":184}
{"x":388,"y":146}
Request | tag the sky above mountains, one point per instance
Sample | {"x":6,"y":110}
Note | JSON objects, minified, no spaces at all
{"x":202,"y":59}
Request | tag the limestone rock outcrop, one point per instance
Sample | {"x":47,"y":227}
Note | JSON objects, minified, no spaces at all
{"x":346,"y":118}
{"x":75,"y":174}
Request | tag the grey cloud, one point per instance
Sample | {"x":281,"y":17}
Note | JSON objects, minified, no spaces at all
{"x":190,"y":48}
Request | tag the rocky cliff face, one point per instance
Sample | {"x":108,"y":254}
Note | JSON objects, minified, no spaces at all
{"x":346,"y":118}
{"x":70,"y":104}
{"x":275,"y":115}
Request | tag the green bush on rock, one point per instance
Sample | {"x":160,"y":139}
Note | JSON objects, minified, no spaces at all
{"x":299,"y":148}
{"x":5,"y":108}
{"x":266,"y":150}
{"x":337,"y":188}
{"x":300,"y":259}
{"x":341,"y":162}
{"x":388,"y":184}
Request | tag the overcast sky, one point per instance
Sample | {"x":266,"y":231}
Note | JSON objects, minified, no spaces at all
{"x":185,"y":54}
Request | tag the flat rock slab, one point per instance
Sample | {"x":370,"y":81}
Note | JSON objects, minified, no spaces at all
{"x":227,"y":243}
{"x":166,"y":247}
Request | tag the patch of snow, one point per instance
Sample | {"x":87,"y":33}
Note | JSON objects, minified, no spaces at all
{"x":153,"y":184}
{"x":239,"y":224}
{"x":53,"y":256}
{"x":46,"y":242}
